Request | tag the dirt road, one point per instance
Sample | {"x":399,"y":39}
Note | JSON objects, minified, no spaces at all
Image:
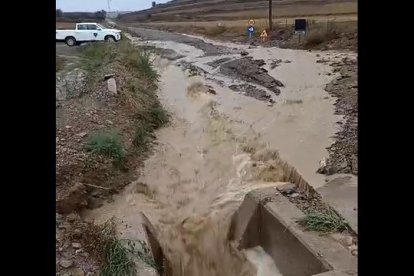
{"x":237,"y":125}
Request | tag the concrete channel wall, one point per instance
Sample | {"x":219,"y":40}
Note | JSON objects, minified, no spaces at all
{"x":156,"y":251}
{"x":266,"y":218}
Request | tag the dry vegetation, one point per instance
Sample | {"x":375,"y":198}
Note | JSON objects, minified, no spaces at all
{"x":138,"y":114}
{"x":101,"y":139}
{"x":65,"y":25}
{"x":322,"y":34}
{"x":332,"y":24}
{"x":213,"y":10}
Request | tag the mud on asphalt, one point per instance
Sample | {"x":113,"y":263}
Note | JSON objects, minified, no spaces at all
{"x":343,"y":153}
{"x":244,"y":68}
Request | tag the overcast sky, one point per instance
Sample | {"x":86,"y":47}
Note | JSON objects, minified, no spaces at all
{"x":95,"y":5}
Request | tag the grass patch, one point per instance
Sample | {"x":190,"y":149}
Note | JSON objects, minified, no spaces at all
{"x":215,"y":31}
{"x":141,"y":137}
{"x":144,"y":253}
{"x":116,"y":260}
{"x":323,"y":32}
{"x":107,"y":143}
{"x":158,"y":116}
{"x":325,"y":221}
{"x":97,"y":54}
{"x":139,"y":60}
{"x":315,"y":37}
{"x":115,"y":256}
{"x":153,"y":117}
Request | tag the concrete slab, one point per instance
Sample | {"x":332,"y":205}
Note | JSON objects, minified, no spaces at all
{"x":144,"y":231}
{"x":268,"y":219}
{"x":341,"y":193}
{"x":151,"y":240}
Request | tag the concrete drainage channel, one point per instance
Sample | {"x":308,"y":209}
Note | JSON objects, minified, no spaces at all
{"x":266,"y":228}
{"x":269,"y":220}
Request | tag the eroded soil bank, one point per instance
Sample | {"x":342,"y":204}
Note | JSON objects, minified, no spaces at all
{"x":106,"y":111}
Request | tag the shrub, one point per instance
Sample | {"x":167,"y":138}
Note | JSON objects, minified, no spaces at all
{"x":315,"y":38}
{"x":107,"y":143}
{"x":325,"y":221}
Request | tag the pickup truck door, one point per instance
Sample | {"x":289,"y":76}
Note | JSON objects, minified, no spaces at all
{"x":82,"y":33}
{"x":94,"y":32}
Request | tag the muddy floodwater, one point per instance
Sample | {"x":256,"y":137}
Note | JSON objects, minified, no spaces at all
{"x":220,"y":145}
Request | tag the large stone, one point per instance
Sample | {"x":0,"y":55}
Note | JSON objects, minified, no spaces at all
{"x":66,"y":263}
{"x":112,"y":86}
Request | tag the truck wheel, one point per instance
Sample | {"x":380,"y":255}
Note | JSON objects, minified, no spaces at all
{"x":110,"y":38}
{"x":70,"y":41}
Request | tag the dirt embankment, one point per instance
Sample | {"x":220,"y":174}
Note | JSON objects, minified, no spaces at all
{"x":343,"y":153}
{"x":106,"y":112}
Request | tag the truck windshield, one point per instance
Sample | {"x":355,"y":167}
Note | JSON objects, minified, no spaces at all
{"x":100,"y":26}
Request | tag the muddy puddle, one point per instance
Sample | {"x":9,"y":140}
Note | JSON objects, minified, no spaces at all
{"x":218,"y":147}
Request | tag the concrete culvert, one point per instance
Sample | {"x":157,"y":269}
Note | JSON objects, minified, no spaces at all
{"x":265,"y":227}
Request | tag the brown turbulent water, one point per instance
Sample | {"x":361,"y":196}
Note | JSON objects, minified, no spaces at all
{"x":215,"y":150}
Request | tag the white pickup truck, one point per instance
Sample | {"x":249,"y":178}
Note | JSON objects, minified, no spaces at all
{"x":85,"y":32}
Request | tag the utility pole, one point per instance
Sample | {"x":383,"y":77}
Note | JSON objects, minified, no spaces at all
{"x":109,"y":5}
{"x":270,"y":15}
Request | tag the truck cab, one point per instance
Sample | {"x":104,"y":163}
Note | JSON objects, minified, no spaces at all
{"x":86,"y":32}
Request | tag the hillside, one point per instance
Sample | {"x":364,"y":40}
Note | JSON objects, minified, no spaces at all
{"x":188,"y":10}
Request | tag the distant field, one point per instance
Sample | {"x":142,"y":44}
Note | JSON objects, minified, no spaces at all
{"x":71,"y":25}
{"x":284,"y":11}
{"x":259,"y":21}
{"x":216,"y":10}
{"x":65,"y":25}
